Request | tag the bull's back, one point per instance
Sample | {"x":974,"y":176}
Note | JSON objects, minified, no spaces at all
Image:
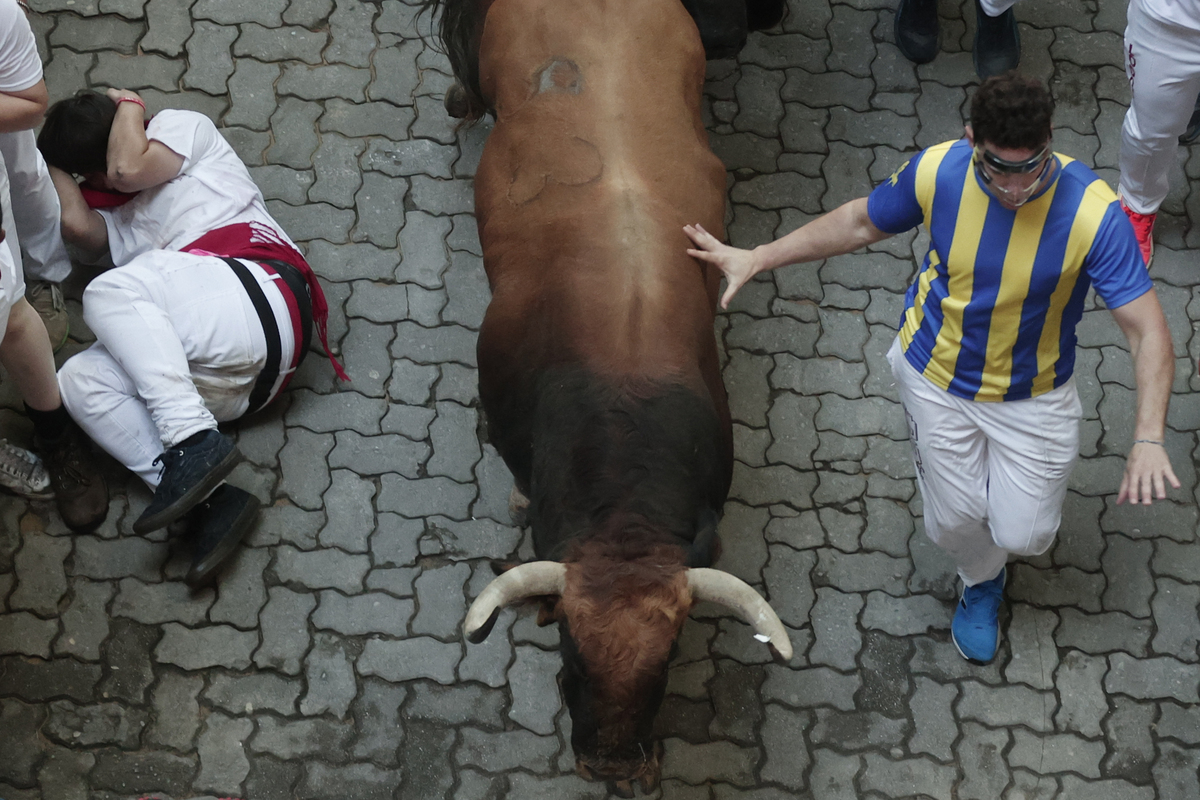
{"x":597,"y":160}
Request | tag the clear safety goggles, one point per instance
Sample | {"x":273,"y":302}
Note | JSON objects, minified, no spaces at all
{"x":988,"y":164}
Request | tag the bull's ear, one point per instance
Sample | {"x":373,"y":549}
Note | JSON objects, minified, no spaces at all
{"x":548,"y":612}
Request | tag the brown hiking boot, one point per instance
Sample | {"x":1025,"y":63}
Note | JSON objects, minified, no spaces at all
{"x":78,"y":485}
{"x":47,"y":299}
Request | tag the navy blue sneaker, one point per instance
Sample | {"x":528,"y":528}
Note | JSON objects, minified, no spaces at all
{"x":976,"y":626}
{"x":997,"y":43}
{"x":217,"y":527}
{"x":191,"y":470}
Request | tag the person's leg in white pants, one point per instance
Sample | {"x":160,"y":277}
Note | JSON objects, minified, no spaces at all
{"x":36,"y":216}
{"x":165,"y":323}
{"x":1162,"y":63}
{"x":993,"y":476}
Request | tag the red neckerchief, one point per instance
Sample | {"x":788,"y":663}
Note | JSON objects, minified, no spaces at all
{"x":258,"y":242}
{"x":100,"y":198}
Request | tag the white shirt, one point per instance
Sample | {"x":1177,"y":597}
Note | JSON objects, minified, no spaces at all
{"x":213,"y":189}
{"x":20,"y":66}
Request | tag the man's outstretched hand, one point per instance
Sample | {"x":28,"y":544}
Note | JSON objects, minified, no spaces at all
{"x":738,"y":265}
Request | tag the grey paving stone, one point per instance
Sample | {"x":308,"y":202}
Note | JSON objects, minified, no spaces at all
{"x":336,"y":166}
{"x":20,"y":748}
{"x":223,"y":762}
{"x":1150,"y":678}
{"x":859,"y":572}
{"x":441,"y":603}
{"x":1178,"y":723}
{"x":168,"y":26}
{"x":1178,"y":633}
{"x":328,"y":568}
{"x":128,"y":656}
{"x":215,"y":645}
{"x":1103,"y":633}
{"x":1068,"y":753}
{"x":1065,"y":586}
{"x":396,"y":75}
{"x":460,"y":384}
{"x":885,"y":674}
{"x":790,"y":591}
{"x":247,"y":694}
{"x":487,"y":662}
{"x":985,"y":773}
{"x":151,"y":603}
{"x":1083,"y":703}
{"x":378,"y":726}
{"x":1007,"y":705}
{"x":838,"y":490}
{"x":284,"y":622}
{"x":833,"y":775}
{"x":722,"y":761}
{"x":378,"y":302}
{"x":103,"y":560}
{"x":348,"y":509}
{"x":252,"y":92}
{"x":176,"y":712}
{"x":330,"y":677}
{"x":1131,"y":559}
{"x":416,"y":657}
{"x":751,"y":406}
{"x":531,"y":679}
{"x":425,"y":497}
{"x":289,"y":739}
{"x":230,"y":12}
{"x":934,"y":729}
{"x":100,"y":33}
{"x":136,"y":72}
{"x":352,"y":261}
{"x":68,"y":69}
{"x":1175,"y":773}
{"x":64,"y":774}
{"x":376,"y":455}
{"x":322,"y":782}
{"x":1131,"y":749}
{"x":810,"y":688}
{"x":295,"y":136}
{"x":1031,"y":640}
{"x":394,"y":542}
{"x":288,"y":43}
{"x":312,"y":221}
{"x":857,"y":730}
{"x":305,"y":474}
{"x":25,"y":633}
{"x":836,"y":638}
{"x":321,"y":82}
{"x":85,"y":621}
{"x":365,"y":356}
{"x":777,"y":484}
{"x":380,"y":205}
{"x":467,"y":290}
{"x":373,"y":612}
{"x":143,"y":771}
{"x":455,"y":445}
{"x":241,"y":592}
{"x":87,"y":726}
{"x":352,"y":37}
{"x":439,"y":196}
{"x":210,"y":64}
{"x":370,"y":119}
{"x":285,"y":522}
{"x":905,"y":777}
{"x":333,"y":412}
{"x":249,"y":145}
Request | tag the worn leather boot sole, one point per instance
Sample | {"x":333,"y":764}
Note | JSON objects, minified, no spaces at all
{"x":206,"y":567}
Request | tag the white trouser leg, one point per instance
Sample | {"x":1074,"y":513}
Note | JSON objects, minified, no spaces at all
{"x":185,"y":332}
{"x":12,"y":285}
{"x":994,"y":8}
{"x":103,"y":400}
{"x":1162,"y":63}
{"x":993,"y":476}
{"x":11,"y":239}
{"x":36,"y":215}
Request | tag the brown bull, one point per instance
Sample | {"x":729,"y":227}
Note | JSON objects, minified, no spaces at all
{"x":598,"y":366}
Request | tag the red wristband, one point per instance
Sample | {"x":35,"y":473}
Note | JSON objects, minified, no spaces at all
{"x":132,"y":100}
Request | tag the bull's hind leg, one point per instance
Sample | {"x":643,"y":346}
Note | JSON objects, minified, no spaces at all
{"x":518,"y":507}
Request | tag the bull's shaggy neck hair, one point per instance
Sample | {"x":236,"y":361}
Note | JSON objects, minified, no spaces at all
{"x":460,"y":31}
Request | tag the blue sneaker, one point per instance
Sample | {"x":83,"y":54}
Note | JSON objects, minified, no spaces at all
{"x":976,"y":626}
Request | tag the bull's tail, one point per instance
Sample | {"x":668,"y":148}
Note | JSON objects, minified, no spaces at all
{"x":459,"y":30}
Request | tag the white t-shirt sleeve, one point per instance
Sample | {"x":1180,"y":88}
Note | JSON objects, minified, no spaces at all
{"x":20,"y":66}
{"x":188,"y":133}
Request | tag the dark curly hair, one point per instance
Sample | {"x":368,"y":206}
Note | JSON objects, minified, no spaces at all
{"x":1011,"y":110}
{"x":74,"y":137}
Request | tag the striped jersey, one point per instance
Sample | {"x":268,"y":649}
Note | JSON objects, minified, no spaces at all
{"x":992,"y":312}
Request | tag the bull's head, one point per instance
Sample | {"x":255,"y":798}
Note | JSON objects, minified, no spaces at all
{"x":616,"y":641}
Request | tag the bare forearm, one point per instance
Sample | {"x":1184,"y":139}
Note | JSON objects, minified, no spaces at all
{"x":81,"y":225}
{"x":127,"y":146}
{"x":19,"y":114}
{"x":1154,"y":371}
{"x":843,"y":230}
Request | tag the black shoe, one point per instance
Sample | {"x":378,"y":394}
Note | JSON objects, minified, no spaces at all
{"x":79,"y":488}
{"x":916,"y":30}
{"x":217,"y":526}
{"x":191,"y":470}
{"x":997,"y":43}
{"x":1193,"y":129}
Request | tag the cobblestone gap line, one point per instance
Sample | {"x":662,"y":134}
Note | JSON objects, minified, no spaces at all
{"x":328,"y":664}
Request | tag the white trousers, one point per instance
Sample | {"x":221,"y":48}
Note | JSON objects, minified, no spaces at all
{"x":12,"y":285}
{"x":1162,"y":62}
{"x":993,"y":476}
{"x":994,"y":8}
{"x":178,"y":348}
{"x":33,"y":221}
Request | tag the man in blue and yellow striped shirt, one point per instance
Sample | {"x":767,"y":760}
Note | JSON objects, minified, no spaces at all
{"x":986,"y":350}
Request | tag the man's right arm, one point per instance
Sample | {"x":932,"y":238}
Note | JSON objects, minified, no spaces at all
{"x":82,"y":226}
{"x":843,"y":230}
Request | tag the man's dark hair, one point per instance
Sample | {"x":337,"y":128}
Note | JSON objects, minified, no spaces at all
{"x":1011,"y":110}
{"x":74,"y":137}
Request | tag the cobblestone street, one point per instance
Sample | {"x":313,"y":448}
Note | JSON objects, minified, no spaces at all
{"x":329,"y":665}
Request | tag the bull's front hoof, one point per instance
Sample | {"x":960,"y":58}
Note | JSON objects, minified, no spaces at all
{"x":457,"y":104}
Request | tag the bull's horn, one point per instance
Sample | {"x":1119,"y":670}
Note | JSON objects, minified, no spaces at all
{"x":522,"y":581}
{"x":721,"y":587}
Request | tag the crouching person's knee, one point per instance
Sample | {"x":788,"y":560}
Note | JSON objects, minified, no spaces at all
{"x":1025,"y":536}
